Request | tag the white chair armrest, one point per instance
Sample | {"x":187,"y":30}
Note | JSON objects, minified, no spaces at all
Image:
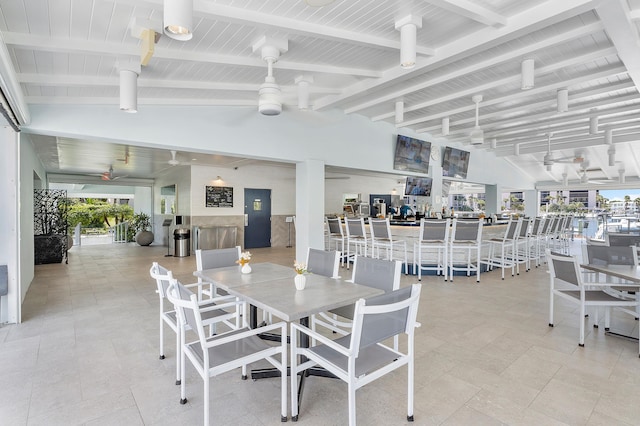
{"x":322,"y":339}
{"x":221,"y":339}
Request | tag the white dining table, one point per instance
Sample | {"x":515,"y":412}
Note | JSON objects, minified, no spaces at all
{"x":629,"y":273}
{"x":271,"y":288}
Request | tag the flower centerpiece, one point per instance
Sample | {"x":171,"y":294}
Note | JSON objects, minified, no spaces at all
{"x":245,"y":257}
{"x":300,"y":279}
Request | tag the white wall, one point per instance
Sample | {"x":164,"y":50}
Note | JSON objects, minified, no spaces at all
{"x":180,"y":176}
{"x":336,"y":139}
{"x":281,"y":181}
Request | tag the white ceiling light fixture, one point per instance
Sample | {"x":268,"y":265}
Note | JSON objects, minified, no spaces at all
{"x":269,"y":95}
{"x":477,"y":134}
{"x":611,"y":152}
{"x":178,"y":19}
{"x":608,"y":136}
{"x":621,"y":177}
{"x":593,"y":125}
{"x":516,"y":149}
{"x":129,"y":70}
{"x":563,"y":100}
{"x":527,"y":77}
{"x":445,"y":126}
{"x":548,"y":158}
{"x":399,"y":112}
{"x":303,"y":82}
{"x":408,"y":27}
{"x":565,"y":179}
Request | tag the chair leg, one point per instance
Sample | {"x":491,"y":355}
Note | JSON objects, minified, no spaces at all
{"x":178,"y":355}
{"x":581,"y":342}
{"x":410,"y":390}
{"x":206,"y":380}
{"x":161,"y":336}
{"x":351,"y":389}
{"x":294,"y":376}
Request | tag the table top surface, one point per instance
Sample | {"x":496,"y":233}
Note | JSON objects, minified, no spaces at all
{"x":230,"y":276}
{"x":627,"y":272}
{"x":271,"y":287}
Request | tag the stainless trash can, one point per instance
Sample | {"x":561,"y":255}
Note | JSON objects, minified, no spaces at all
{"x":182,"y":240}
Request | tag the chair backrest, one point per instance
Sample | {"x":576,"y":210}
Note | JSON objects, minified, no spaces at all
{"x":216,"y":258}
{"x":550,"y":224}
{"x":377,"y":273}
{"x":616,"y":255}
{"x":380,"y":228}
{"x":335,"y":226}
{"x":434,"y":230}
{"x":564,"y":268}
{"x":381,"y":317}
{"x":321,"y":262}
{"x":466,"y":230}
{"x":355,"y":227}
{"x":536,"y":230}
{"x":524,"y":227}
{"x":512,"y":229}
{"x":186,"y":304}
{"x":162,"y":276}
{"x":616,"y":239}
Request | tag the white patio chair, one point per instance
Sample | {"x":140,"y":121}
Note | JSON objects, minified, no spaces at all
{"x":361,"y":357}
{"x":212,"y":356}
{"x":215,"y":258}
{"x":566,"y":282}
{"x":168,"y":316}
{"x":430,"y":252}
{"x":381,"y":239}
{"x":466,"y":240}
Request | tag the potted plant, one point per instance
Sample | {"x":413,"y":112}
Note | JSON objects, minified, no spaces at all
{"x":141,"y":225}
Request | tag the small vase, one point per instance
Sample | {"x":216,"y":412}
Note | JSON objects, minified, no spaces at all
{"x":246,"y":269}
{"x":300,"y":281}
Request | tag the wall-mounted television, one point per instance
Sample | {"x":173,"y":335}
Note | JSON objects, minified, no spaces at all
{"x":418,"y":186}
{"x":455,"y":163}
{"x":412,"y":155}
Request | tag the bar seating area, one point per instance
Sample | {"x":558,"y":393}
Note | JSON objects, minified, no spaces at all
{"x":448,"y":247}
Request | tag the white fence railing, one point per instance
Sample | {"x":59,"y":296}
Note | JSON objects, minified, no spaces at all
{"x":119,"y":232}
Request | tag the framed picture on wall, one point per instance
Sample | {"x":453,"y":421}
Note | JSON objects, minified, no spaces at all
{"x":218,"y":196}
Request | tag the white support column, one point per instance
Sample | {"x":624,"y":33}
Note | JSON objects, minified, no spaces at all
{"x":309,"y":207}
{"x":531,"y":202}
{"x":493,"y":199}
{"x":9,"y":224}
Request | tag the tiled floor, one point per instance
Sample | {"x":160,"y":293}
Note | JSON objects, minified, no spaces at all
{"x":87,"y":353}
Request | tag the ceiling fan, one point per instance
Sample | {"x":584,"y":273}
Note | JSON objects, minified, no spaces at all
{"x":108,"y":175}
{"x":548,"y":159}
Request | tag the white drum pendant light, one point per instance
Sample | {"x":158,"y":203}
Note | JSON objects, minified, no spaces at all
{"x":408,"y":27}
{"x":445,"y":126}
{"x":178,"y":19}
{"x":527,"y":74}
{"x":399,"y":112}
{"x":477,"y":134}
{"x":128,"y":91}
{"x":563,"y":100}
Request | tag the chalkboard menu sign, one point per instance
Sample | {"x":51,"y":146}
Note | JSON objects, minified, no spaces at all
{"x":219,"y":196}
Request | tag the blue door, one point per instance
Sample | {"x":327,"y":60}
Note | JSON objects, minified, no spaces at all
{"x":257,"y":218}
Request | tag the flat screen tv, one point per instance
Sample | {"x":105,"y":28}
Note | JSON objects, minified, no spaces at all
{"x":418,"y":186}
{"x":455,"y":163}
{"x":412,"y":155}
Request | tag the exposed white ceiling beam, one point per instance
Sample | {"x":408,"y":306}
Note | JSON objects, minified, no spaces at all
{"x":472,"y":11}
{"x":244,"y":16}
{"x":576,"y":142}
{"x":534,"y":19}
{"x":489,"y":62}
{"x":83,"y":80}
{"x":614,"y":14}
{"x":92,"y":47}
{"x":603,"y":73}
{"x":547,"y":118}
{"x":523,"y":109}
{"x":582,"y":59}
{"x":92,"y":100}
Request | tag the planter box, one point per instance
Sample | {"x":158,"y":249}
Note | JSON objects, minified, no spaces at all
{"x":49,"y":248}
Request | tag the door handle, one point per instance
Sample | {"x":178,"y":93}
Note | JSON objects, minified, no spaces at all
{"x":246,"y":220}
